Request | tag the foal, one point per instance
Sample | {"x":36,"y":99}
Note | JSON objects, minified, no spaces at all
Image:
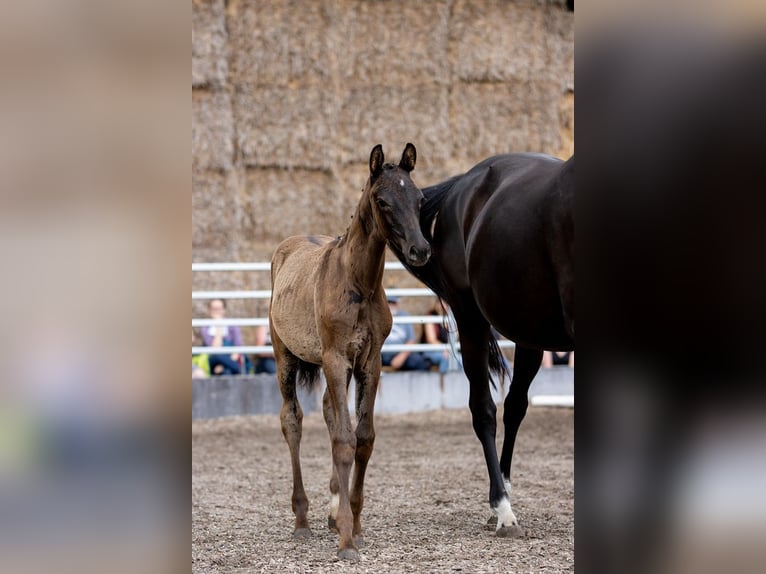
{"x":328,"y":308}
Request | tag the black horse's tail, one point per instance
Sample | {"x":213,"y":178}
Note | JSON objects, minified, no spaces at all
{"x":308,"y":375}
{"x":432,"y":275}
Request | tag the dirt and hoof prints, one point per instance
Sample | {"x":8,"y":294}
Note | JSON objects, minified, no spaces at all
{"x":426,"y":492}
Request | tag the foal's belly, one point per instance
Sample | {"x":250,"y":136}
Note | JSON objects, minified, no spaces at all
{"x":292,"y":303}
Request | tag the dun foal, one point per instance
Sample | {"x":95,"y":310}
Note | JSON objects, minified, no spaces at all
{"x":328,"y":309}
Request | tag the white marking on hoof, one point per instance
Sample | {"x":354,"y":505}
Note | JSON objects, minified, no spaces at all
{"x":505,"y":516}
{"x":334,"y":505}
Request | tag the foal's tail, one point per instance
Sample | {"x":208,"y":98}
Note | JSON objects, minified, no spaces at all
{"x":308,"y":375}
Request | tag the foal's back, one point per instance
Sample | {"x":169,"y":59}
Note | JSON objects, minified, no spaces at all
{"x":294,"y":277}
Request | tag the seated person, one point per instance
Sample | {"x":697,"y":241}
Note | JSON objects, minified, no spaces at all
{"x":402,"y":333}
{"x":222,"y":336}
{"x":558,"y":358}
{"x":265,"y":362}
{"x":200,"y":363}
{"x":436,"y":333}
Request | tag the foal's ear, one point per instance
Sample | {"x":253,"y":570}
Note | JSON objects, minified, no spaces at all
{"x":376,"y":160}
{"x":408,"y":158}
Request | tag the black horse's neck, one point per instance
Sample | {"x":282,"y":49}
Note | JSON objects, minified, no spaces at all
{"x":363,"y":248}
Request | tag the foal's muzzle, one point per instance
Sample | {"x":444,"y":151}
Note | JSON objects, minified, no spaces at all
{"x":418,"y":256}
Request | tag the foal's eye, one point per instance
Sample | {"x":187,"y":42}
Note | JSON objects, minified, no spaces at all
{"x":382,"y":204}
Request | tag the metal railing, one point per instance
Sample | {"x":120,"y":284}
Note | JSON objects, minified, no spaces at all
{"x":266,"y":294}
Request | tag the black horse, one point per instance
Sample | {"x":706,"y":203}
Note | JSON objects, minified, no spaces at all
{"x":502,"y":239}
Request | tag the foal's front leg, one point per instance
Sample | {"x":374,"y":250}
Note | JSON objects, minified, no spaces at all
{"x":327,"y":411}
{"x":337,"y":373}
{"x":367,"y":377}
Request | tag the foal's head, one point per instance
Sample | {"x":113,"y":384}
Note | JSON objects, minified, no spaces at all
{"x":395,"y":204}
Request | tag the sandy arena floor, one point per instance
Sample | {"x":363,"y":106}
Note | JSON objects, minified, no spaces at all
{"x":425,"y":497}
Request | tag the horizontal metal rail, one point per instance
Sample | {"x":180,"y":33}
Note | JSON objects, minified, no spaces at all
{"x":266,"y":293}
{"x":257,"y":321}
{"x":265,"y":266}
{"x":267,"y":349}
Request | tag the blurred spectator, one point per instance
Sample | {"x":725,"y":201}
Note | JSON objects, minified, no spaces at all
{"x":222,"y":336}
{"x":265,"y":362}
{"x":200,"y":363}
{"x":434,"y":334}
{"x":402,"y":333}
{"x":558,"y":358}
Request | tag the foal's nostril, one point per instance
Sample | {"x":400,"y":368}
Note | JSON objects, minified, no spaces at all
{"x":419,"y":255}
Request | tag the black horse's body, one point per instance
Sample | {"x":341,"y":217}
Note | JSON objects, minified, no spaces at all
{"x":502,"y":238}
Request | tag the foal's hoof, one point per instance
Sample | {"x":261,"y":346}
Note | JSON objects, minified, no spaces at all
{"x":512,"y":531}
{"x":332,"y":524}
{"x":348,"y":554}
{"x":302,"y":533}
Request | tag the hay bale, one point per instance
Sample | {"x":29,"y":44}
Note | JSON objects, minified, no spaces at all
{"x":559,"y":35}
{"x":279,"y":203}
{"x":209,"y":67}
{"x":285,"y":127}
{"x":498,"y":41}
{"x":499,"y":118}
{"x":215,"y":210}
{"x":567,"y":117}
{"x":503,"y":41}
{"x":278,"y":42}
{"x":395,"y":114}
{"x":389,"y":43}
{"x":212,"y":130}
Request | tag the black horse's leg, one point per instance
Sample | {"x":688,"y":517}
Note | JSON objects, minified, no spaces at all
{"x":291,"y":417}
{"x":526,"y":363}
{"x":474,"y":342}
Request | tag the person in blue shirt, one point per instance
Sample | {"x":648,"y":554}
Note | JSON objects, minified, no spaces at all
{"x":402,"y":333}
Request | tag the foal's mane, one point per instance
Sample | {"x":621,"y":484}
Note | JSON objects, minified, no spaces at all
{"x":432,"y":275}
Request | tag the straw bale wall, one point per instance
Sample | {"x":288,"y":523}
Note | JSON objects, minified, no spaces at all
{"x":289,"y":97}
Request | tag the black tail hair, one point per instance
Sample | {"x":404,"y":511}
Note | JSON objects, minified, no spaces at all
{"x":434,"y":277}
{"x":308,"y":375}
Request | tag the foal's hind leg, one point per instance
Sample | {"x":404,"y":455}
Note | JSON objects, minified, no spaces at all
{"x":526,"y":363}
{"x":291,"y":417}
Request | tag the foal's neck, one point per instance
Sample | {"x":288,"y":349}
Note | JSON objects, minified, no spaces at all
{"x":364,"y":249}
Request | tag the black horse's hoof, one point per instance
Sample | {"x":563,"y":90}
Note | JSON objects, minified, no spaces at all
{"x":348,"y":554}
{"x":513,"y":531}
{"x":332,"y":524}
{"x":302,"y":533}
